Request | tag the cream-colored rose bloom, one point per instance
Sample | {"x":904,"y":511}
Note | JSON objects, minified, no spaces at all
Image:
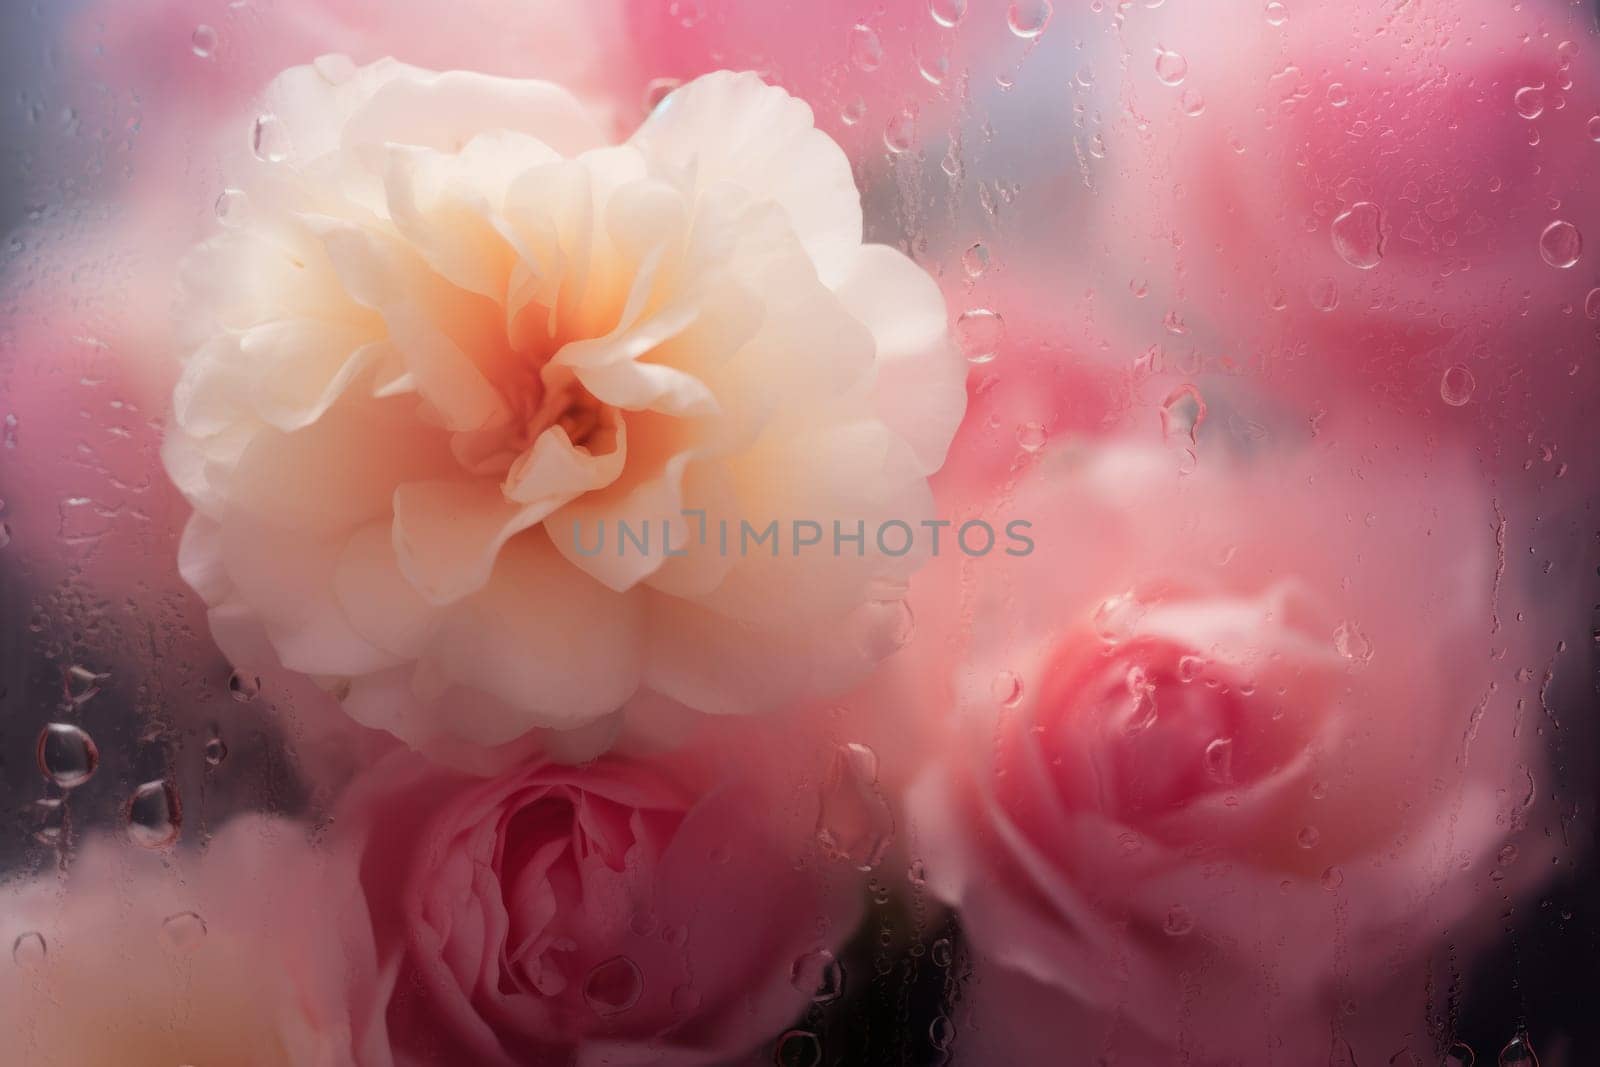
{"x":450,"y":337}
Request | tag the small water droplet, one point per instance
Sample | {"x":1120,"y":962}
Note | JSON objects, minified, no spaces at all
{"x":855,"y":823}
{"x":154,"y":814}
{"x":1460,"y":1054}
{"x":883,"y":627}
{"x":947,"y":13}
{"x":818,"y":975}
{"x":901,"y":132}
{"x":1189,"y":668}
{"x":1219,"y":760}
{"x":980,"y":332}
{"x":269,"y":139}
{"x":1358,"y":236}
{"x":1324,"y":294}
{"x":1192,"y":103}
{"x":1006,"y":688}
{"x":182,"y":933}
{"x":1529,"y":101}
{"x":941,"y":1032}
{"x":1171,"y":67}
{"x":1183,"y":412}
{"x":613,"y":986}
{"x":29,"y":950}
{"x":230,"y":206}
{"x":934,"y":67}
{"x":798,"y":1048}
{"x":66,"y":754}
{"x":244,"y":686}
{"x":1518,"y":1053}
{"x":204,"y":41}
{"x":1030,"y":437}
{"x":1179,"y":921}
{"x":1561,"y":244}
{"x":866,"y":51}
{"x":1457,"y":385}
{"x":1351,"y":643}
{"x":1338,"y":95}
{"x":1308,"y":837}
{"x":216,"y":751}
{"x":1028,"y":18}
{"x":80,"y":684}
{"x":1277,"y":13}
{"x":1117,"y":617}
{"x":853,"y":111}
{"x":975,"y":260}
{"x":1332,"y":879}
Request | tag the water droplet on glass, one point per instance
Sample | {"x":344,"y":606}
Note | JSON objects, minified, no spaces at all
{"x":934,"y":68}
{"x":155,"y":815}
{"x":1457,"y":385}
{"x":1117,"y":616}
{"x":1028,"y":18}
{"x":1529,"y":101}
{"x":1351,"y":643}
{"x":1030,"y":436}
{"x":1192,"y":103}
{"x":798,"y":1048}
{"x":1324,"y":294}
{"x":269,"y":139}
{"x":866,"y":51}
{"x":1332,"y":879}
{"x":853,"y":112}
{"x":947,"y":13}
{"x":204,"y":41}
{"x":1171,"y":67}
{"x":66,"y":754}
{"x":216,"y":751}
{"x":1594,"y":128}
{"x":1459,"y":1054}
{"x":1183,"y":412}
{"x":818,"y":975}
{"x":1308,"y":837}
{"x":1219,"y":760}
{"x":1338,"y":95}
{"x":29,"y":950}
{"x":230,"y":206}
{"x":182,"y":933}
{"x":854,"y":821}
{"x":1179,"y":921}
{"x":244,"y":686}
{"x":975,"y":260}
{"x":1358,"y":236}
{"x":941,"y":1032}
{"x":1006,"y":688}
{"x":689,"y":13}
{"x":1561,"y":244}
{"x":1189,"y":668}
{"x":980,"y":333}
{"x":1519,"y":1053}
{"x":80,"y":684}
{"x":613,"y":986}
{"x":1277,"y":13}
{"x":901,"y":132}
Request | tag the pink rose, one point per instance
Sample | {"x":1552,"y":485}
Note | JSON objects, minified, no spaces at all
{"x":218,"y":957}
{"x":1231,"y":747}
{"x":604,"y":914}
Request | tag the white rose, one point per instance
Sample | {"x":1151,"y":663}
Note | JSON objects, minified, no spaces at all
{"x":449,"y":334}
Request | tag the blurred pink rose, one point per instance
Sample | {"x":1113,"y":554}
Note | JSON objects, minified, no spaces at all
{"x":618,"y":912}
{"x":1230,"y":746}
{"x":1382,"y":202}
{"x":215,"y":957}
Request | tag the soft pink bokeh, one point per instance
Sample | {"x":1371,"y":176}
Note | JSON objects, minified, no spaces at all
{"x":1231,"y":747}
{"x":217,"y":956}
